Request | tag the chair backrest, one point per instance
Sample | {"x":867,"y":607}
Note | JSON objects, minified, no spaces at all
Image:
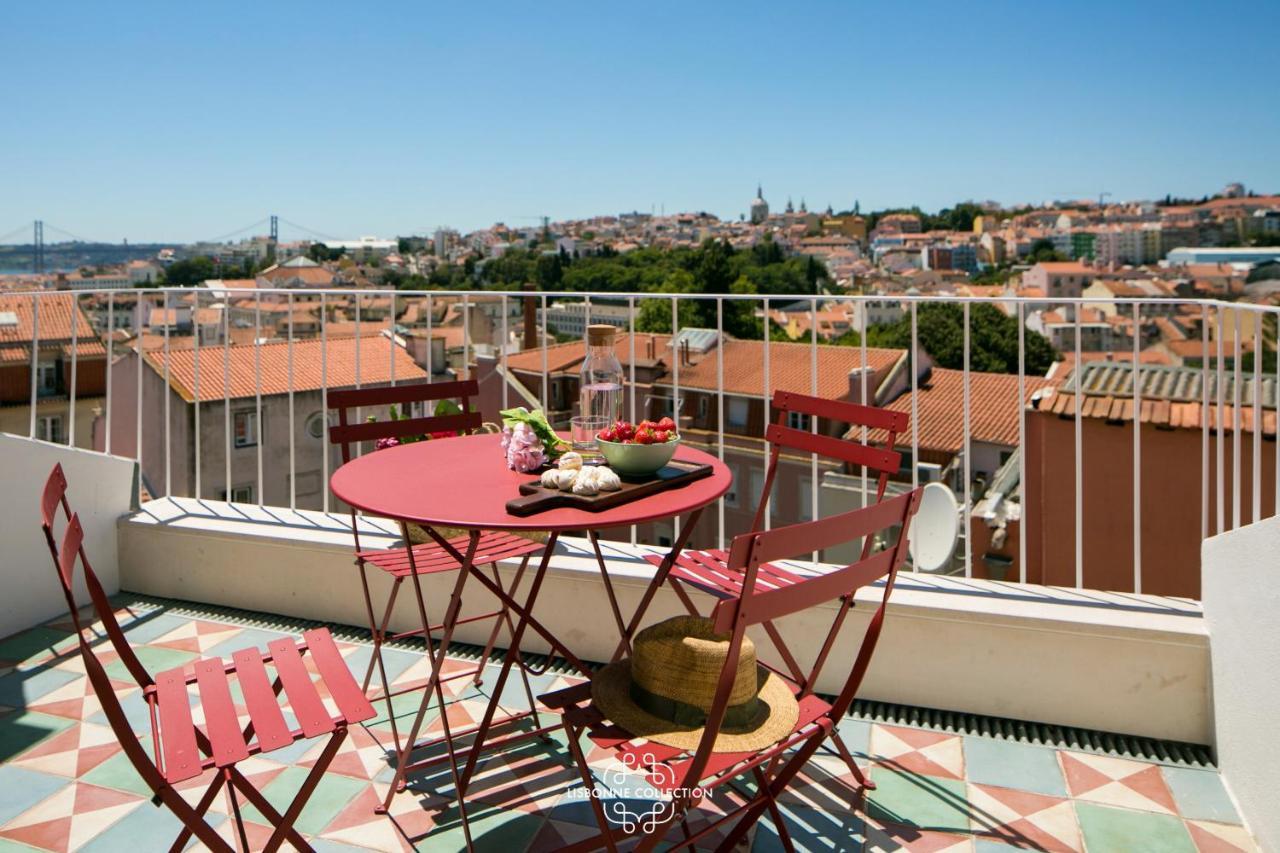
{"x":66,"y":554}
{"x":346,"y":433}
{"x":758,"y":604}
{"x":882,"y":461}
{"x":70,"y":551}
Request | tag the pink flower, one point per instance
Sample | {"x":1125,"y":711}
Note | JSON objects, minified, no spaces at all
{"x":384,"y":443}
{"x":524,"y":450}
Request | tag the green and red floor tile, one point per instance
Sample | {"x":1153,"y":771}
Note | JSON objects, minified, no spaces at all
{"x":65,"y":784}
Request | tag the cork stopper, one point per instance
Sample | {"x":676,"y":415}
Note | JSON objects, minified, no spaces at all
{"x":600,"y":335}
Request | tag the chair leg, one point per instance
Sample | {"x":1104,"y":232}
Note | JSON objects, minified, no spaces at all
{"x":779,"y":824}
{"x":198,"y":813}
{"x":580,"y":759}
{"x":847,"y":756}
{"x":262,"y":804}
{"x":284,"y":829}
{"x":242,"y":837}
{"x":193,"y":822}
{"x":379,"y":632}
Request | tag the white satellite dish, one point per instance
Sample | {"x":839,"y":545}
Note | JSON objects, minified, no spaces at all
{"x":935,"y":529}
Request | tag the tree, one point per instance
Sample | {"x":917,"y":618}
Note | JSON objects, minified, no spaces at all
{"x":993,"y":338}
{"x":190,"y":272}
{"x":1042,"y":251}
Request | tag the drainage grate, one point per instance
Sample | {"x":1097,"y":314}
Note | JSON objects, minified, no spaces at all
{"x":953,"y":722}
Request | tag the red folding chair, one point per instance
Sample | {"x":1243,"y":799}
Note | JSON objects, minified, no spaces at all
{"x":441,"y":554}
{"x":710,"y":571}
{"x":759,"y":600}
{"x":181,"y":750}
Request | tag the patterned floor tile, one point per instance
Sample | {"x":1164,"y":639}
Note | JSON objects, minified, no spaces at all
{"x":329,"y":798}
{"x":812,"y":829}
{"x":1200,"y":794}
{"x":1023,"y":819}
{"x":21,"y":730}
{"x":1116,"y":782}
{"x":70,"y":817}
{"x":883,"y":837}
{"x":1108,"y":829}
{"x":1211,"y":837}
{"x":915,"y":800}
{"x":1009,"y":764}
{"x":918,"y":751}
{"x":21,"y":789}
{"x":66,"y":784}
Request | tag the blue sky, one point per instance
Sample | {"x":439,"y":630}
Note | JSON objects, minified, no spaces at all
{"x":182,"y":121}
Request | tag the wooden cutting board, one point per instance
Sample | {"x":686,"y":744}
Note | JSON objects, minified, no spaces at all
{"x":537,"y":498}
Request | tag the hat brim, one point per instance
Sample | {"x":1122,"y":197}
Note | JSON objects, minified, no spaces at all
{"x":611,"y":691}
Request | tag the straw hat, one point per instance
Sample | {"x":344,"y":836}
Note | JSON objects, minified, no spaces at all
{"x":664,"y":691}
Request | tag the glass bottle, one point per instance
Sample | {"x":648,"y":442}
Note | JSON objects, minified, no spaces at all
{"x":600,"y":391}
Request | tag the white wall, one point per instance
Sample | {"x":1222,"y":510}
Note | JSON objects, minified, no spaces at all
{"x":1122,"y":663}
{"x":100,"y":488}
{"x":1241,"y":589}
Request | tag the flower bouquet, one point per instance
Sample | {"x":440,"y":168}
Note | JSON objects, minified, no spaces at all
{"x":443,"y":407}
{"x":528,"y":441}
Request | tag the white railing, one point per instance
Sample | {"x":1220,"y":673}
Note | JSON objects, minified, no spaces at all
{"x":1212,"y":314}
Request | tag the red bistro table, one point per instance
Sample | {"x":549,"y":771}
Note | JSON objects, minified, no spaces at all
{"x":464,"y":482}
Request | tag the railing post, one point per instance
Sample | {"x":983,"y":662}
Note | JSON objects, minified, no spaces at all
{"x":1022,"y":443}
{"x":1136,"y":375}
{"x":968,"y":453}
{"x":35,"y":361}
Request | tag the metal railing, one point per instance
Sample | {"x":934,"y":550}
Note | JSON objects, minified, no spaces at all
{"x":102,"y":307}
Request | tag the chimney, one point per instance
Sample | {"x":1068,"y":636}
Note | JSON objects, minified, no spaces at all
{"x":651,"y":348}
{"x":530,"y":320}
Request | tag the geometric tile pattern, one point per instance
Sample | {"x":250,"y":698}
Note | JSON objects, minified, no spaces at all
{"x":65,"y":785}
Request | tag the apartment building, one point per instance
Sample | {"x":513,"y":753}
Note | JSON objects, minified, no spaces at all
{"x":193,"y":420}
{"x":66,"y":389}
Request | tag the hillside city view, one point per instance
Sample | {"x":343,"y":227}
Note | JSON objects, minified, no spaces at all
{"x":935,"y":505}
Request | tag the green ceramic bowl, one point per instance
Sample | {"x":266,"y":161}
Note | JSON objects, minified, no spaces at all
{"x":636,"y":460}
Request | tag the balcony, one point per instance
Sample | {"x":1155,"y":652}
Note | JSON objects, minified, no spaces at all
{"x":1068,"y":704}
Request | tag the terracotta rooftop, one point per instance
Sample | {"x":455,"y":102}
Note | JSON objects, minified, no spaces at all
{"x":562,"y":357}
{"x":993,"y":409}
{"x":53,"y":323}
{"x":790,"y":366}
{"x":338,"y":358}
{"x":1172,"y":397}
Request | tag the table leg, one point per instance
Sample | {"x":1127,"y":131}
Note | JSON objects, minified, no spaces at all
{"x":513,"y":652}
{"x":433,"y":690}
{"x":686,"y":529}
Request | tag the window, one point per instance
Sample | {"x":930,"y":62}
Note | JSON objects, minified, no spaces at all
{"x":47,"y":378}
{"x":731,"y":496}
{"x":757,"y":486}
{"x":704,"y":405}
{"x":798,"y":420}
{"x":738,"y":412}
{"x":239,"y":495}
{"x":316,"y":425}
{"x":246,"y":429}
{"x":49,"y":428}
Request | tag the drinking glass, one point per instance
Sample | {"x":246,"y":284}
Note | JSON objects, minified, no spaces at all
{"x":583,"y":429}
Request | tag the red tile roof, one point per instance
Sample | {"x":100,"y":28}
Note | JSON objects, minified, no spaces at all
{"x":53,"y":326}
{"x":339,"y":358}
{"x":565,"y":356}
{"x":790,"y":368}
{"x":993,"y":409}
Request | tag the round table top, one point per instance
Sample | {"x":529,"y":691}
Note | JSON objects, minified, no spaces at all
{"x":465,"y":482}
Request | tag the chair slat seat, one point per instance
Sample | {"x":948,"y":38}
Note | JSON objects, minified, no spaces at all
{"x":709,"y":571}
{"x":222,"y":719}
{"x":430,"y":558}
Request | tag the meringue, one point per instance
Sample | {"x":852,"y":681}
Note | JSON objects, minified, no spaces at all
{"x":570,"y":461}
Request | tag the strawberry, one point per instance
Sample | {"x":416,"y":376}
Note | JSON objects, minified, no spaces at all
{"x":645,"y":436}
{"x":667,"y":424}
{"x":605,"y":435}
{"x":661,"y":436}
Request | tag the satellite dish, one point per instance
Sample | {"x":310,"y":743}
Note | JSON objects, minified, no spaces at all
{"x":935,"y":529}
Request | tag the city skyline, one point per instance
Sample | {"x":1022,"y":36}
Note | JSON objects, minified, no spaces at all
{"x":185,"y":126}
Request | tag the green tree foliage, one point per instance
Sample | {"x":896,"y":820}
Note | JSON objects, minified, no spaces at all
{"x":190,"y":272}
{"x":1043,"y":251}
{"x":993,"y":338}
{"x":320,"y":253}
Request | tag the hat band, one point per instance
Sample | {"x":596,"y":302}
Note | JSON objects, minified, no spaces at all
{"x":742,"y":715}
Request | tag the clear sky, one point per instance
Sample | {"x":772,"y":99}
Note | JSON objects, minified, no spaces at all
{"x":179,"y":121}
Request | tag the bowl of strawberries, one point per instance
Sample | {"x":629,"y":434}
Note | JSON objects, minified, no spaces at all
{"x":638,"y":450}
